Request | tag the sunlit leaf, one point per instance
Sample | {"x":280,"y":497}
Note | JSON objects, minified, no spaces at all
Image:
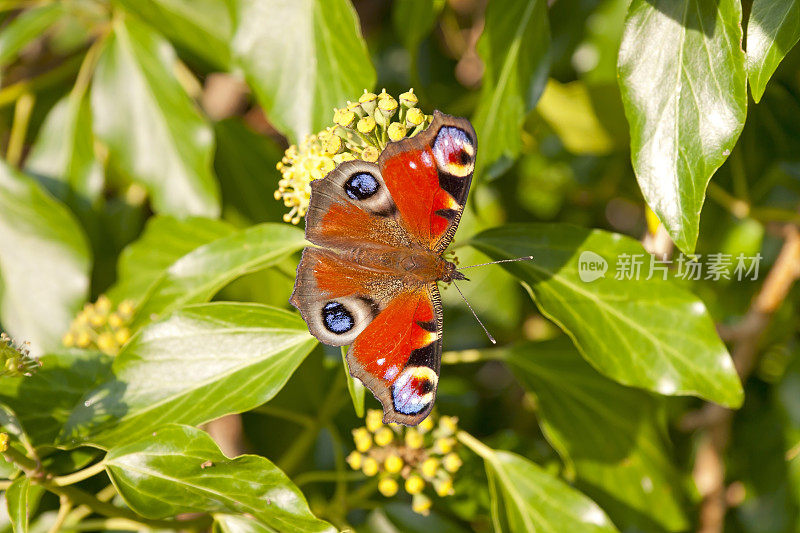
{"x":514,"y":46}
{"x":772,"y":30}
{"x":153,"y":131}
{"x":614,"y":437}
{"x":165,"y":240}
{"x":202,"y":26}
{"x":302,"y":59}
{"x":44,"y":263}
{"x":198,"y":275}
{"x":647,"y":333}
{"x":197,"y":364}
{"x":63,"y":156}
{"x":526,"y":498}
{"x":180,"y":469}
{"x":681,"y":73}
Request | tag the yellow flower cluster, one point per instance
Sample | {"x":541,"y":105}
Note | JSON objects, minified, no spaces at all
{"x":361,"y":131}
{"x":100,"y":326}
{"x":3,"y":442}
{"x":416,"y":457}
{"x":15,"y":360}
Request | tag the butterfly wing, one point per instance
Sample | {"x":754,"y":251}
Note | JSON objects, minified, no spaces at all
{"x":368,"y":216}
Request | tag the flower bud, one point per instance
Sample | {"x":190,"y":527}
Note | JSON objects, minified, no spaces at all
{"x":414,"y":117}
{"x":368,"y":101}
{"x":393,"y":463}
{"x":344,"y":118}
{"x":452,"y":462}
{"x":388,"y":487}
{"x":373,"y":420}
{"x":384,"y":436}
{"x":3,"y":442}
{"x":370,"y":467}
{"x":429,"y":467}
{"x":414,"y":484}
{"x":396,"y":131}
{"x":355,"y":460}
{"x":370,"y":154}
{"x":421,"y":504}
{"x":408,"y":99}
{"x":366,"y":125}
{"x":443,"y":487}
{"x":413,"y":438}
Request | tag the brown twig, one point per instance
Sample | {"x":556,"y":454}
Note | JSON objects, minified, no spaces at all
{"x":709,"y":468}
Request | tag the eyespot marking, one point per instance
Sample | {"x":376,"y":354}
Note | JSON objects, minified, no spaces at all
{"x":414,"y":390}
{"x":361,"y":186}
{"x":337,"y":318}
{"x":454,"y":151}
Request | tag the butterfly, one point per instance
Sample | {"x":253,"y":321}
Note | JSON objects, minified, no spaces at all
{"x":371,"y":282}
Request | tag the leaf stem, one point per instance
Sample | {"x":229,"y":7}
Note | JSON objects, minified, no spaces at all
{"x":63,"y":511}
{"x":80,"y":475}
{"x":19,"y":128}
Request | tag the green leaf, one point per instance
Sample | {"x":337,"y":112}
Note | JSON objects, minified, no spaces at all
{"x":10,"y":424}
{"x":22,"y":500}
{"x":198,"y":275}
{"x":354,"y":387}
{"x":772,"y":30}
{"x":25,"y":28}
{"x":232,"y":523}
{"x":203,"y":27}
{"x":44,"y":263}
{"x":647,"y":333}
{"x":612,"y":436}
{"x":63,"y":155}
{"x":245,"y":164}
{"x":195,"y":365}
{"x":301,"y":59}
{"x":153,"y":131}
{"x":514,"y":48}
{"x":413,"y":20}
{"x":45,"y":400}
{"x":165,"y":240}
{"x":681,"y":73}
{"x":526,"y":498}
{"x":179,"y":469}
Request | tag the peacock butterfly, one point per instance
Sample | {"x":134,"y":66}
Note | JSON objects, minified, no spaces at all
{"x":381,"y":229}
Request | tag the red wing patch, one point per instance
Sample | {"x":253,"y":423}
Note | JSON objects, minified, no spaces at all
{"x":391,"y":356}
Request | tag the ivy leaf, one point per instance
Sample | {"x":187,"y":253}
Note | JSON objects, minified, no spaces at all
{"x":63,"y":155}
{"x":413,"y":20}
{"x":354,"y":386}
{"x":152,"y":130}
{"x":195,"y":365}
{"x":44,"y":262}
{"x":647,"y":333}
{"x":180,"y":469}
{"x":10,"y":424}
{"x":22,"y":499}
{"x":613,"y":437}
{"x":239,"y":523}
{"x":772,"y":30}
{"x":301,"y":59}
{"x":164,"y":240}
{"x":198,"y":275}
{"x":28,"y":26}
{"x":203,"y":27}
{"x":514,"y":48}
{"x":44,"y":401}
{"x":681,"y":73}
{"x":526,"y":498}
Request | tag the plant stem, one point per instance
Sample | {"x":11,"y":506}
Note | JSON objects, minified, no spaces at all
{"x":286,"y":414}
{"x":63,"y":512}
{"x":326,"y":475}
{"x":330,"y":406}
{"x":80,"y":475}
{"x":24,"y":463}
{"x":19,"y":128}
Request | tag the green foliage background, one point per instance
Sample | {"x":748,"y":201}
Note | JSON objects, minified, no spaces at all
{"x":612,"y":405}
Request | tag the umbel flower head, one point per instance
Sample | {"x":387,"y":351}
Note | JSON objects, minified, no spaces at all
{"x":15,"y":360}
{"x":413,"y":458}
{"x":360,"y":130}
{"x":100,"y":326}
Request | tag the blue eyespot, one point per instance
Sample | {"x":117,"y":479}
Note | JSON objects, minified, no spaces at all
{"x":337,"y":318}
{"x":361,"y":186}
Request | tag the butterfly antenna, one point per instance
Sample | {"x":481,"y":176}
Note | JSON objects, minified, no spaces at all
{"x":475,"y":315}
{"x":526,"y":258}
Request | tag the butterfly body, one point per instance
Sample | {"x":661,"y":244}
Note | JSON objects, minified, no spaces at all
{"x":381,"y":229}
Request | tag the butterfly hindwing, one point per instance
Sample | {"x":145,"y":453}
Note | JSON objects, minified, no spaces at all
{"x":398,"y":355}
